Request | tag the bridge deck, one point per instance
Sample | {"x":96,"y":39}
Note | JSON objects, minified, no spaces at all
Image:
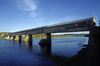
{"x":72,"y":26}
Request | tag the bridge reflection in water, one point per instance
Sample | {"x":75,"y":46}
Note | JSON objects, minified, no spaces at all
{"x":28,"y":45}
{"x":45,"y":49}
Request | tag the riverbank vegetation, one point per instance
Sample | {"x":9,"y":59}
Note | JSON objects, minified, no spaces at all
{"x":64,"y":35}
{"x":53,"y":36}
{"x":2,"y":35}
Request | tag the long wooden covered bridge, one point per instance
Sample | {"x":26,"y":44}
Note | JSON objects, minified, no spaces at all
{"x":72,"y":26}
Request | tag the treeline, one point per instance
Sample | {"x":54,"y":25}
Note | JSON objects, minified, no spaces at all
{"x":71,"y":35}
{"x":53,"y":36}
{"x":2,"y":34}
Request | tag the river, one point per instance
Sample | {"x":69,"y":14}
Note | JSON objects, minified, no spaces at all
{"x":14,"y":53}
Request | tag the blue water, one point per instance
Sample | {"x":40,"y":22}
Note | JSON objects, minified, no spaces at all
{"x":14,"y":53}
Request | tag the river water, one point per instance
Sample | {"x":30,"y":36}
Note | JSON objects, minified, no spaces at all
{"x":14,"y":53}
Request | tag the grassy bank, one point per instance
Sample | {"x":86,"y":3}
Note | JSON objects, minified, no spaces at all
{"x":1,"y":37}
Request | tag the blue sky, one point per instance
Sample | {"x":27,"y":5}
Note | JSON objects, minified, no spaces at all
{"x":16,"y":15}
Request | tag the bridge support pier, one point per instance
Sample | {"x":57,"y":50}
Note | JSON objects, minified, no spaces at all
{"x":5,"y":37}
{"x":28,"y":38}
{"x":8,"y":37}
{"x":94,"y":37}
{"x":12,"y":38}
{"x":46,"y":40}
{"x":18,"y":38}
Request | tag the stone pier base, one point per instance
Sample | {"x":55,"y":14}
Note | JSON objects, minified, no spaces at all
{"x":46,"y":40}
{"x":18,"y":38}
{"x":28,"y":38}
{"x":12,"y":38}
{"x":8,"y":37}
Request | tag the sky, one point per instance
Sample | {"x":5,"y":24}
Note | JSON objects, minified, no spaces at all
{"x":17,"y":15}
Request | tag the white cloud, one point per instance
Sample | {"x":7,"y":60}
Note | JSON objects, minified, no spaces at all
{"x":38,"y":19}
{"x":27,"y":5}
{"x":54,"y":8}
{"x":68,"y":18}
{"x":43,"y":22}
{"x":32,"y":14}
{"x":38,"y":22}
{"x":61,"y":20}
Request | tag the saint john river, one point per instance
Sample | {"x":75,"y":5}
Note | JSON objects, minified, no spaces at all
{"x":14,"y":53}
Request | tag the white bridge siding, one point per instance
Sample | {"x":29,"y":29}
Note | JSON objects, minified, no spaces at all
{"x":73,"y":26}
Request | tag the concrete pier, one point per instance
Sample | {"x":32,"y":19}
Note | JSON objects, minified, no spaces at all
{"x":46,"y":40}
{"x":5,"y":37}
{"x":12,"y":38}
{"x":28,"y":38}
{"x":94,"y":36}
{"x":18,"y":38}
{"x":8,"y":37}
